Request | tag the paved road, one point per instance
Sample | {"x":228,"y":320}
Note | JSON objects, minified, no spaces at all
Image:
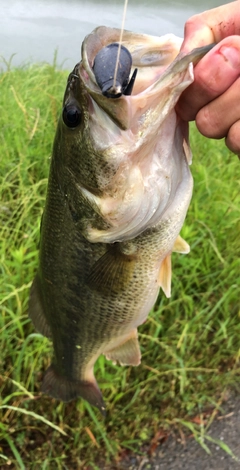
{"x":173,"y":455}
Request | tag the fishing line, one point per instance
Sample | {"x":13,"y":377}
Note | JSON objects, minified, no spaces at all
{"x":120,"y":41}
{"x":112,"y":67}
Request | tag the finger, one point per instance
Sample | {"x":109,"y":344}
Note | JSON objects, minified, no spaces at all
{"x":233,"y":138}
{"x":213,"y":75}
{"x":212,"y":26}
{"x":215,"y":119}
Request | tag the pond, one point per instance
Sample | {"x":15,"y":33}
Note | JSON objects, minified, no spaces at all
{"x":33,"y":30}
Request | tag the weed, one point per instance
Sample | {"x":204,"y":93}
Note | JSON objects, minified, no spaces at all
{"x":190,"y":343}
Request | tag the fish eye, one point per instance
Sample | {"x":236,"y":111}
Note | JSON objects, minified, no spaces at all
{"x":71,"y":115}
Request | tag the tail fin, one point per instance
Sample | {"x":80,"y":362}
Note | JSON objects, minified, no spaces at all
{"x":66,"y":390}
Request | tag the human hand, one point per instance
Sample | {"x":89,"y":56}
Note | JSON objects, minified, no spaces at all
{"x":213,"y":99}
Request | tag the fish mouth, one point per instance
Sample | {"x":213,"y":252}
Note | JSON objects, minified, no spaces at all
{"x":159,"y":66}
{"x":140,"y":134}
{"x":151,"y":56}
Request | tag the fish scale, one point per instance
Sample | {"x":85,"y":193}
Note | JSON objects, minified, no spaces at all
{"x":118,"y":192}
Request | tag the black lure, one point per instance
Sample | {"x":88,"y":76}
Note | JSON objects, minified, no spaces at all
{"x":104,"y":69}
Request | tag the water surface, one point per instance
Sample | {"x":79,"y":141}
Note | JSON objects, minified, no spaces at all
{"x":34,"y":29}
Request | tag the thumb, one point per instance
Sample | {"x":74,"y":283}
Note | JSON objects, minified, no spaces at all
{"x":212,"y":26}
{"x":213,"y":75}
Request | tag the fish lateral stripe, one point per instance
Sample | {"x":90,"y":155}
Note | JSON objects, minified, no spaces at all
{"x":62,"y":388}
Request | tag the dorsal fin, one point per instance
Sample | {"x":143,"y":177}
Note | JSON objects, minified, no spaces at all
{"x":36,"y":310}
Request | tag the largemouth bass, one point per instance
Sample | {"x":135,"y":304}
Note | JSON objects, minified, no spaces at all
{"x":118,"y":192}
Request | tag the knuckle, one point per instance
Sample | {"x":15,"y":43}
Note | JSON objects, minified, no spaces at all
{"x":233,"y":138}
{"x":205,"y":123}
{"x":211,"y":121}
{"x":192,"y":23}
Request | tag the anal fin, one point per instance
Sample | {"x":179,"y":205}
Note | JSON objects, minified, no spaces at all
{"x":64,"y":389}
{"x":128,"y":353}
{"x":36,"y":312}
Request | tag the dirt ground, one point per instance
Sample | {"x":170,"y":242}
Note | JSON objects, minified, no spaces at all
{"x":174,"y":455}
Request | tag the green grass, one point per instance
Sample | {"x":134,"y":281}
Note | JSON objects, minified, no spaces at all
{"x":190,"y":343}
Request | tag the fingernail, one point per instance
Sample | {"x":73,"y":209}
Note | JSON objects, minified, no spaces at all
{"x":231,"y":55}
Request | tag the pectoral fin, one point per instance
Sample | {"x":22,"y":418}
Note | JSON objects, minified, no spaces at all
{"x":112,"y":272}
{"x":165,"y":275}
{"x":128,"y":353}
{"x":36,"y":312}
